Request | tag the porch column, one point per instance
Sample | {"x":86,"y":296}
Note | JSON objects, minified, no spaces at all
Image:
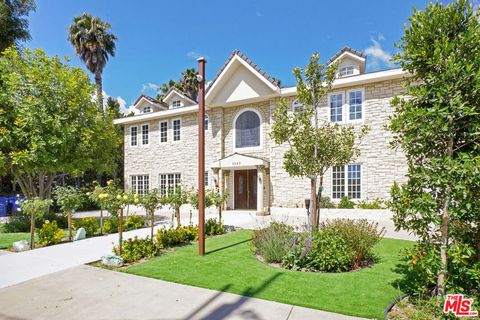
{"x":260,"y":182}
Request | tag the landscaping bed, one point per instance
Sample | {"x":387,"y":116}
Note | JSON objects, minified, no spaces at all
{"x":230,"y":265}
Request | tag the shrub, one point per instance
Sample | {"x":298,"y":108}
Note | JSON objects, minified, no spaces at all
{"x":134,"y":222}
{"x":18,"y":224}
{"x":61,"y":220}
{"x":167,"y":238}
{"x":346,"y":203}
{"x":50,"y":233}
{"x":325,"y":202}
{"x":213,"y":227}
{"x":111,"y":225}
{"x":136,"y":249}
{"x":272,"y":242}
{"x":90,"y":225}
{"x":371,"y":204}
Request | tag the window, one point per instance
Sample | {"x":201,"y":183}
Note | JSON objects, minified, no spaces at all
{"x":163,"y":131}
{"x":336,"y":107}
{"x":147,"y":109}
{"x":352,"y":180}
{"x":176,"y":129}
{"x":205,"y":123}
{"x":355,"y":100}
{"x":345,"y":71}
{"x":133,"y":136}
{"x":247,"y":130}
{"x":140,"y":184}
{"x":144,"y":134}
{"x":169,"y":182}
{"x":205,"y":179}
{"x":297,"y":106}
{"x":176,"y":104}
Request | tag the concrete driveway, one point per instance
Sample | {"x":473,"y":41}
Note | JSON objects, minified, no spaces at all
{"x":92,"y":293}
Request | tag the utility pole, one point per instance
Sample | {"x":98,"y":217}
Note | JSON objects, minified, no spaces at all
{"x":201,"y":155}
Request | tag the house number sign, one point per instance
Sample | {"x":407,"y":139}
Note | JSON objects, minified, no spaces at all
{"x":236,"y":163}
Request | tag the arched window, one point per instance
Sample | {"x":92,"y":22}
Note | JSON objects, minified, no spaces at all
{"x":247,"y":130}
{"x":206,"y":122}
{"x":297,"y":106}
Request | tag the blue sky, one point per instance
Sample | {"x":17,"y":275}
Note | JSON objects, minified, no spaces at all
{"x":157,"y":40}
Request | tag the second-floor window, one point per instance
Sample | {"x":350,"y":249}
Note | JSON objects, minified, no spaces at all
{"x":177,"y":128}
{"x":297,"y":106}
{"x":133,"y":136}
{"x":163,"y":131}
{"x":144,"y":134}
{"x":336,"y":107}
{"x":176,"y":103}
{"x":140,"y":184}
{"x":355,"y":100}
{"x":147,"y":109}
{"x":247,"y":130}
{"x":345,"y":71}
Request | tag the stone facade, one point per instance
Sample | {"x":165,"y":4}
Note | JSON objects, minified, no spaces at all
{"x":380,"y":165}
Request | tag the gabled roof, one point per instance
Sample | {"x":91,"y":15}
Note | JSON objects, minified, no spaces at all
{"x":239,"y":54}
{"x":152,"y":100}
{"x":347,"y":50}
{"x":178,"y":92}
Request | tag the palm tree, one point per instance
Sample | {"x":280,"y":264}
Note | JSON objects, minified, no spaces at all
{"x":92,"y":41}
{"x":190,"y":83}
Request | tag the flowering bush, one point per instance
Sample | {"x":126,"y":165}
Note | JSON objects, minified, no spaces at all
{"x":213,"y":227}
{"x":136,"y":249}
{"x":50,"y":233}
{"x":272,"y":242}
{"x":167,"y":238}
{"x":134,"y":222}
{"x":89,"y":224}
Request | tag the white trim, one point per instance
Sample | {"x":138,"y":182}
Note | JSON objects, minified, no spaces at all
{"x":130,"y":136}
{"x":347,"y":106}
{"x":329,"y":113}
{"x":350,"y":55}
{"x":173,"y":130}
{"x":160,"y":131}
{"x":247,"y":149}
{"x":157,"y":115}
{"x":345,"y":191}
{"x":141,"y":134}
{"x":178,"y":93}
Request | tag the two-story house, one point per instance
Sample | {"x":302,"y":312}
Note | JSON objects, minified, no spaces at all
{"x":161,"y":142}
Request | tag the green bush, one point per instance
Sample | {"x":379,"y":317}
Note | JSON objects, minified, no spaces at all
{"x":90,"y":225}
{"x":167,"y":238}
{"x":61,"y":220}
{"x":111,"y":225}
{"x":371,"y":204}
{"x":213,"y":227}
{"x":273,"y":242}
{"x":136,"y":249}
{"x":50,"y":233}
{"x":346,"y":203}
{"x":134,"y":222}
{"x":325,"y":202}
{"x":18,"y":224}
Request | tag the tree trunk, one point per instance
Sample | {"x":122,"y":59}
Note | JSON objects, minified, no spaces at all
{"x":444,"y":232}
{"x":220,"y":214}
{"x":101,"y":221}
{"x":178,"y":216}
{"x":319,"y":199}
{"x":98,"y":82}
{"x":152,"y":222}
{"x":313,"y":206}
{"x":32,"y":230}
{"x":120,"y":231}
{"x":69,"y":226}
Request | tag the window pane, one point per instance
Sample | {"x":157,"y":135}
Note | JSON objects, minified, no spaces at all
{"x":336,"y":105}
{"x":146,"y":184}
{"x":133,"y":187}
{"x":206,"y":122}
{"x":176,"y":130}
{"x":163,"y":184}
{"x":145,"y":134}
{"x":338,"y":182}
{"x":355,"y":100}
{"x":133,"y":136}
{"x":354,"y":181}
{"x":205,"y":179}
{"x":247,"y":130}
{"x":163,"y":131}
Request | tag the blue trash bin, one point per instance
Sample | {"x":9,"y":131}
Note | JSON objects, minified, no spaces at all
{"x":3,"y":206}
{"x":15,"y":204}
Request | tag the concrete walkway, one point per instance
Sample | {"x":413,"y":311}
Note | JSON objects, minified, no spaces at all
{"x":92,"y":293}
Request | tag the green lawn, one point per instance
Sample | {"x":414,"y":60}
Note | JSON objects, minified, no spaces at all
{"x":230,"y":266}
{"x":7,"y":239}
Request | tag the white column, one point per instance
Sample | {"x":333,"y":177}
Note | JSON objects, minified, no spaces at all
{"x":260,"y":205}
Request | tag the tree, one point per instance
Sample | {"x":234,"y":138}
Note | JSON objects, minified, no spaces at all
{"x":314,"y":146}
{"x":187,"y":83}
{"x":176,"y":198}
{"x":14,"y":22}
{"x":94,"y":43}
{"x":48,"y":122}
{"x":35,"y":207}
{"x":69,"y":199}
{"x":438,"y":129}
{"x":151,"y":202}
{"x":218,"y":199}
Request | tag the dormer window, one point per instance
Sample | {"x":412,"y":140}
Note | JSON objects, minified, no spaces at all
{"x":147,"y":109}
{"x":176,"y":104}
{"x":297,"y":106}
{"x":345,"y":71}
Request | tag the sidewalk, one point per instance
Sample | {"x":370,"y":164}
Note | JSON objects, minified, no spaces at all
{"x":92,"y":293}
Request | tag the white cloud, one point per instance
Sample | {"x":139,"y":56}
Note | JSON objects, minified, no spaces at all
{"x":377,"y":56}
{"x":123,"y":106}
{"x":150,"y":86}
{"x":195,"y":55}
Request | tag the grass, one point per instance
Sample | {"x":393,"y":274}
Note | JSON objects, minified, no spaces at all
{"x":7,"y":239}
{"x":230,"y":266}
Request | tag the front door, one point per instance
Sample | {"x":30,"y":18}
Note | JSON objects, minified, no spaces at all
{"x":245,"y":189}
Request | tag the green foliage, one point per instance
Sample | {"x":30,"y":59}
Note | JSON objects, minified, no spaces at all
{"x":14,"y":22}
{"x":112,"y":198}
{"x":36,"y":207}
{"x":134,"y":222}
{"x":49,"y":123}
{"x":346,"y":203}
{"x":167,"y":238}
{"x":371,"y":204}
{"x":69,"y":199}
{"x":136,"y":249}
{"x":90,"y":225}
{"x":437,"y":129}
{"x":272,"y":242}
{"x":325,"y":202}
{"x":111,"y":225}
{"x":17,"y":224}
{"x":193,"y":198}
{"x":213,"y":227}
{"x":50,"y":233}
{"x":151,"y":201}
{"x":175,"y":198}
{"x":61,"y":220}
{"x":187,"y":83}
